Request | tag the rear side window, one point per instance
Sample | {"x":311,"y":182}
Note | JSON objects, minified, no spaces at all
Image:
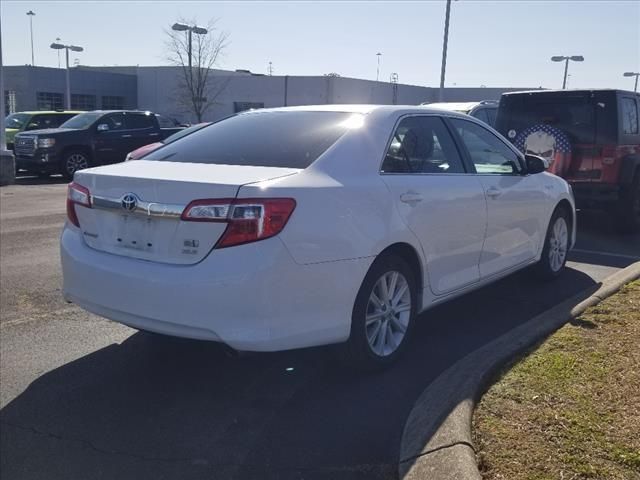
{"x":481,"y":115}
{"x":629,"y":116}
{"x":491,"y":115}
{"x":138,"y":121}
{"x":287,"y":139}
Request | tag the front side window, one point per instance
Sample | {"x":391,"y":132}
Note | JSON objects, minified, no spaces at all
{"x":489,"y":154}
{"x":422,"y":144}
{"x":82,"y":121}
{"x":114,"y":121}
{"x":629,"y":116}
{"x":481,"y":115}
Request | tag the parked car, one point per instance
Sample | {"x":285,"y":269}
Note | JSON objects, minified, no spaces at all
{"x":293,"y":227}
{"x":590,"y":137}
{"x":89,"y":139}
{"x":484,"y":110}
{"x":142,"y":151}
{"x":21,"y":121}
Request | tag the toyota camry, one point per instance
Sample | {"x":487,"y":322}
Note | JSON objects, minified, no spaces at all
{"x":294,"y":227}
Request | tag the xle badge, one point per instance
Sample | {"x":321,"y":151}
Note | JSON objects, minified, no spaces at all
{"x":191,"y":246}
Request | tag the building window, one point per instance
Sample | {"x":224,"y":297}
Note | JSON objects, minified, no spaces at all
{"x":242,"y":106}
{"x":83,"y":102}
{"x":9,"y":102}
{"x":112,"y":102}
{"x":49,"y":101}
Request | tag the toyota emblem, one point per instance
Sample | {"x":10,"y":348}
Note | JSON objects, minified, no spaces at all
{"x":129,"y":202}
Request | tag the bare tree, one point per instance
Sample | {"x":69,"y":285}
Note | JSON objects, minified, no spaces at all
{"x":198,"y":88}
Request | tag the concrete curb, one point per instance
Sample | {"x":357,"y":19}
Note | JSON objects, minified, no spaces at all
{"x":436,"y":442}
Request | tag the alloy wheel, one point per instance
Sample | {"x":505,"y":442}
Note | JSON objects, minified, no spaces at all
{"x":388,"y":313}
{"x":558,"y":244}
{"x":75,"y":162}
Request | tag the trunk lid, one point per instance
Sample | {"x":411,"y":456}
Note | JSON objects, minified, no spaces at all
{"x":136,"y":207}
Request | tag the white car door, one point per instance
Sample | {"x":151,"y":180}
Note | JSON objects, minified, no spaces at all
{"x":515,"y":202}
{"x":442,"y":204}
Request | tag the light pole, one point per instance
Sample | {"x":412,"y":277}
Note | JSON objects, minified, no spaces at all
{"x":633,"y":74}
{"x":73,"y":48}
{"x":378,"y":70}
{"x":58,"y":41}
{"x":565,"y":59}
{"x":3,"y":138}
{"x":445,"y":42}
{"x":190,"y":29}
{"x":31,"y":14}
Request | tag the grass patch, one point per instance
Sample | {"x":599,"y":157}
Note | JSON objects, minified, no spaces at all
{"x":570,"y":408}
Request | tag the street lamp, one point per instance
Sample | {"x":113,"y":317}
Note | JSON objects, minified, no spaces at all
{"x":378,"y":70}
{"x":191,"y":29}
{"x":31,"y":14}
{"x":445,"y":42}
{"x":565,"y":59}
{"x":73,"y":48}
{"x":633,"y":74}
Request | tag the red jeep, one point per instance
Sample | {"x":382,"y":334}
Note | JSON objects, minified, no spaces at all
{"x":591,"y":139}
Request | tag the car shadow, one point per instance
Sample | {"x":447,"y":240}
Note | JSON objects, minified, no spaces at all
{"x":156,"y":407}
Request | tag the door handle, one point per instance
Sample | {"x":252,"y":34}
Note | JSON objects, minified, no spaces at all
{"x":494,"y":192}
{"x":154,"y":134}
{"x":411,"y":198}
{"x":127,"y":136}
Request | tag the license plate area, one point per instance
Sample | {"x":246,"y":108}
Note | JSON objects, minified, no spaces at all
{"x":135,"y":233}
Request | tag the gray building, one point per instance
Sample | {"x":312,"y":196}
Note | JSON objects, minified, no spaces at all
{"x":43,"y":88}
{"x":157,"y":89}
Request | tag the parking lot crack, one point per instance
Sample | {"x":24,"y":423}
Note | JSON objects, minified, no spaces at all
{"x":437,"y":449}
{"x":104,"y":451}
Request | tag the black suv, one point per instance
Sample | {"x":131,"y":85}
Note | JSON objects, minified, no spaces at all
{"x":591,"y":139}
{"x":89,"y":139}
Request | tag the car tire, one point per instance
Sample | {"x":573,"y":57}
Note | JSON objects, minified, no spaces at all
{"x":556,"y":246}
{"x":73,"y":161}
{"x":627,"y":214}
{"x":381,"y":324}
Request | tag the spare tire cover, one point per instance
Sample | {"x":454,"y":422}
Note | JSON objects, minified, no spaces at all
{"x":548,"y":142}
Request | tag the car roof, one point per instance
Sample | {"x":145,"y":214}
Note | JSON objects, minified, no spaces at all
{"x":363,"y":109}
{"x":49,"y":112}
{"x":461,"y":106}
{"x":569,"y":91}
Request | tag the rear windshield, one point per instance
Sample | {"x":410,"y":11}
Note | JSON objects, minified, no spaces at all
{"x":288,"y":139}
{"x":573,"y":115}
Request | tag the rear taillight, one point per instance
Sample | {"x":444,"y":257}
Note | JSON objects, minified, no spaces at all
{"x":248,"y":220}
{"x":77,"y":195}
{"x":609,"y":154}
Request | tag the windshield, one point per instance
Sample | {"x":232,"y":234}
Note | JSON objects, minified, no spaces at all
{"x":84,"y":120}
{"x":16,"y":120}
{"x":288,"y":139}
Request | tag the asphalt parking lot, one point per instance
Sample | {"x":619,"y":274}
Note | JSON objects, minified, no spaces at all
{"x":82,"y":397}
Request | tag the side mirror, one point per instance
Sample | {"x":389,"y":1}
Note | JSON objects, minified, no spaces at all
{"x":103,"y":127}
{"x":535,"y":164}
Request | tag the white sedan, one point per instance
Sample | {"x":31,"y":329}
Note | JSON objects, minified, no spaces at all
{"x":294,"y":227}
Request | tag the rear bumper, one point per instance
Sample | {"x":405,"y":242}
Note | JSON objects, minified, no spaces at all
{"x":595,"y":195}
{"x":250,"y":297}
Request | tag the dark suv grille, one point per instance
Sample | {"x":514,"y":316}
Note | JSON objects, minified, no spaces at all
{"x":24,"y":146}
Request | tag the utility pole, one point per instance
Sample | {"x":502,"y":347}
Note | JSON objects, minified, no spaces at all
{"x":31,"y":14}
{"x":378,"y":70}
{"x":270,"y":69}
{"x":444,"y":50}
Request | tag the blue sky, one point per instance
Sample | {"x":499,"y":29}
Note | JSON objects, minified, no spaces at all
{"x":493,"y":43}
